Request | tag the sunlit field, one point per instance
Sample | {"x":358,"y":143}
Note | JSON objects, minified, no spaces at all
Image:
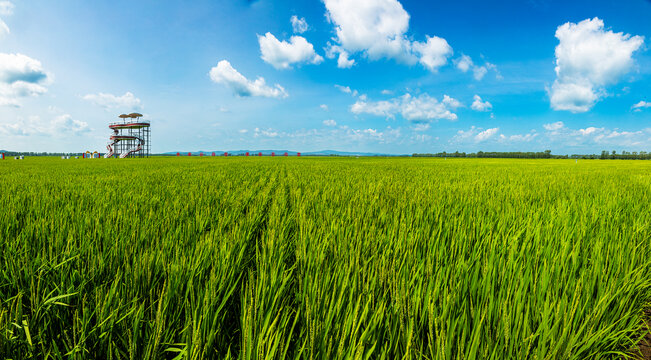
{"x":323,"y":258}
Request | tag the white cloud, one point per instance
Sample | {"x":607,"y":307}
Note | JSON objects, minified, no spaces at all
{"x":554,"y":126}
{"x":421,"y":108}
{"x":324,"y":137}
{"x":379,"y":108}
{"x":434,"y":53}
{"x":588,"y":58}
{"x":475,"y":135}
{"x":387,"y":92}
{"x":486,"y":134}
{"x":225,"y":74}
{"x":270,"y":133}
{"x":421,"y":127}
{"x":243,"y":131}
{"x":464,"y":63}
{"x":20,"y":76}
{"x":478,"y":72}
{"x":329,"y":122}
{"x":61,"y":125}
{"x":4,"y":29}
{"x":283,"y":54}
{"x":519,"y":137}
{"x":346,"y":90}
{"x":597,"y":136}
{"x":324,"y":107}
{"x":299,"y":25}
{"x":343,"y":61}
{"x":23,"y":128}
{"x":65,"y":124}
{"x":110,"y":101}
{"x":19,"y":67}
{"x":589,"y":130}
{"x":640,"y":105}
{"x":377,"y":29}
{"x":6,"y":8}
{"x":573,"y":97}
{"x":478,"y":105}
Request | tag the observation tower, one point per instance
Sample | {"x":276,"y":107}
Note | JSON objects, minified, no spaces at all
{"x":130,"y":137}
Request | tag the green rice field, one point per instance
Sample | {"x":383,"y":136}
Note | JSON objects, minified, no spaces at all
{"x":323,"y":258}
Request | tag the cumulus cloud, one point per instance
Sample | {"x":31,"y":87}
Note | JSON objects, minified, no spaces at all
{"x":65,"y":124}
{"x":421,"y":127}
{"x":642,"y":104}
{"x":21,"y":127}
{"x":324,"y":107}
{"x":20,"y":76}
{"x":329,"y":122}
{"x":465,"y":64}
{"x":478,"y":105}
{"x":486,"y":134}
{"x":299,"y":25}
{"x":474,"y":135}
{"x":110,"y":101}
{"x":377,"y":29}
{"x":588,"y":58}
{"x":378,"y":108}
{"x":434,"y":53}
{"x":283,"y":54}
{"x":479,"y":72}
{"x":257,"y":132}
{"x":18,"y":67}
{"x":600,"y":136}
{"x":423,"y":108}
{"x":62,"y":124}
{"x":225,"y":74}
{"x":519,"y":137}
{"x":346,"y":90}
{"x":343,"y":60}
{"x":6,"y":8}
{"x":4,"y":29}
{"x":327,"y":136}
{"x":554,"y":126}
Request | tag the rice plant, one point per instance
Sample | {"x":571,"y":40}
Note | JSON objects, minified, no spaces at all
{"x":323,"y":258}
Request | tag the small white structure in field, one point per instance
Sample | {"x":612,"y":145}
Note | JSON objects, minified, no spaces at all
{"x":22,"y":157}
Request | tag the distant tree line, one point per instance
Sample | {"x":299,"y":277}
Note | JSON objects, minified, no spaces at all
{"x":625,"y":155}
{"x":31,"y":153}
{"x":547,"y":154}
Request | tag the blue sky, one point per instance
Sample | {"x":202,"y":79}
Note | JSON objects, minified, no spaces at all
{"x":369,"y":75}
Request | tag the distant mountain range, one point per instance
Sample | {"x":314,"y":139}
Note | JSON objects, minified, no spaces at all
{"x":280,"y":153}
